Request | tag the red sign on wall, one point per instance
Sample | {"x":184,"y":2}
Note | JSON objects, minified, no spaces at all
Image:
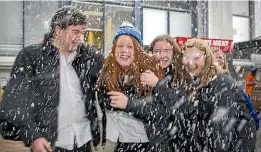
{"x":224,"y":45}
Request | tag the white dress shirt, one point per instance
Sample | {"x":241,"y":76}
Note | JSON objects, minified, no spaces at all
{"x":73,"y":125}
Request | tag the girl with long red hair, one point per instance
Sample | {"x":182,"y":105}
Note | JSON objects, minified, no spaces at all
{"x":119,"y":80}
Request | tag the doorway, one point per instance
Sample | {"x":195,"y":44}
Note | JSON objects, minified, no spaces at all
{"x":95,"y":38}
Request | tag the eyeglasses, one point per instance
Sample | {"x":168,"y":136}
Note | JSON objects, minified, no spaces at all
{"x":193,"y":57}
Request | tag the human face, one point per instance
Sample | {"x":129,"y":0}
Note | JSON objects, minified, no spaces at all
{"x":162,"y":50}
{"x":220,"y":58}
{"x":71,"y":36}
{"x":194,"y":61}
{"x":124,"y":51}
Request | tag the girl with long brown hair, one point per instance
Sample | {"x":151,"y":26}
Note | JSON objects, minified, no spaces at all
{"x":119,"y":80}
{"x":165,"y":49}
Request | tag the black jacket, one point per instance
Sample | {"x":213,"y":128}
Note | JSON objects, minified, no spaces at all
{"x":168,"y":74}
{"x":223,"y":119}
{"x":157,"y":113}
{"x":129,"y":89}
{"x":31,"y":97}
{"x":193,"y":127}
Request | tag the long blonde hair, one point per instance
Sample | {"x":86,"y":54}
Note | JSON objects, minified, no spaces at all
{"x":210,"y":69}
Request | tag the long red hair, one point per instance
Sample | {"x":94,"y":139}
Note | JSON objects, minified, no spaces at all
{"x":111,"y":70}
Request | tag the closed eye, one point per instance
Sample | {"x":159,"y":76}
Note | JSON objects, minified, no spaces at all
{"x":156,"y":51}
{"x":76,"y":31}
{"x":130,"y":46}
{"x":120,"y":46}
{"x":167,"y":50}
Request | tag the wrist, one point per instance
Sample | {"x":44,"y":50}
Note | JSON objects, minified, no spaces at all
{"x":127,"y":102}
{"x":37,"y":139}
{"x":128,"y":105}
{"x":155,"y":83}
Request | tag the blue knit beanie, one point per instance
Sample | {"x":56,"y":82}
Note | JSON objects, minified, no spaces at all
{"x":127,"y":28}
{"x":253,"y":70}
